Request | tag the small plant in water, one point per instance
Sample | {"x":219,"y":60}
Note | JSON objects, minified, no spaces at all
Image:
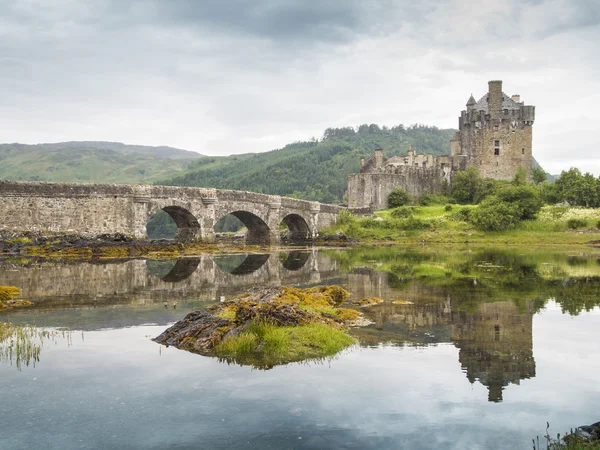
{"x":22,"y":344}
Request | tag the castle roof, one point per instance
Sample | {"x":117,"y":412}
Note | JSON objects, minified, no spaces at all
{"x":507,"y":103}
{"x":471,"y":101}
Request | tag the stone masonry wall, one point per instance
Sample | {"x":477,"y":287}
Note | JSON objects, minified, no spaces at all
{"x":371,"y":190}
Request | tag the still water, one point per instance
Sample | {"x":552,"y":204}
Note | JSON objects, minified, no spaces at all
{"x":481,"y":348}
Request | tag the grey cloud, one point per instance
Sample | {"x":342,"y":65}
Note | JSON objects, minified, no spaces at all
{"x":254,"y":75}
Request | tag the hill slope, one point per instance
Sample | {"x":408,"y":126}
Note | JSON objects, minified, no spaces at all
{"x":100,"y":162}
{"x":315,"y":170}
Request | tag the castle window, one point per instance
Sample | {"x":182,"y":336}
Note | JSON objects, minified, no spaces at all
{"x":522,"y":151}
{"x":496,"y":148}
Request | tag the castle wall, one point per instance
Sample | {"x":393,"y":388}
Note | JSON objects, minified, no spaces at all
{"x":371,"y":190}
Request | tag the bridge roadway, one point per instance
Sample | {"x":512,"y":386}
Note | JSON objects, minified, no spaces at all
{"x":94,"y":209}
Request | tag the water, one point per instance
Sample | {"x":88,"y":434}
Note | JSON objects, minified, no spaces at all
{"x":487,"y":345}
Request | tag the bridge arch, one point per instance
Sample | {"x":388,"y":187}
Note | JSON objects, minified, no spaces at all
{"x":173,"y":271}
{"x":298,"y":228}
{"x":258,"y":230}
{"x":188,"y":226}
{"x":294,"y":260}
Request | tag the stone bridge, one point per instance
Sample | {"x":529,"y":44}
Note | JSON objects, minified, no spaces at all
{"x":95,"y":209}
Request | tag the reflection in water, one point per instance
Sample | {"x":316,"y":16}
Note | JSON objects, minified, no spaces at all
{"x":173,"y":271}
{"x":496,"y":345}
{"x":294,"y":260}
{"x":483,"y":302}
{"x":241,"y":264}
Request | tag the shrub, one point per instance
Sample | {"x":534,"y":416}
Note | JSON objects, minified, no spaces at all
{"x":495,"y":215}
{"x":402,"y":213}
{"x":525,"y":197}
{"x":413,"y":224}
{"x":573,"y":224}
{"x":448,"y":208}
{"x":426,"y":200}
{"x":345,"y":217}
{"x":398,"y":197}
{"x":463,"y":214}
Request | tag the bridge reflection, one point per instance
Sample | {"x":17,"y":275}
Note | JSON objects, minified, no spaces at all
{"x":206,"y":277}
{"x":175,"y":271}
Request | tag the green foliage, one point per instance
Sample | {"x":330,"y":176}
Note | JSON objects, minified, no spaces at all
{"x":465,"y":185}
{"x":272,"y":345}
{"x":468,"y":186}
{"x":161,"y":226}
{"x":398,"y":198}
{"x":228,"y":224}
{"x":598,"y":224}
{"x":549,"y":193}
{"x":520,"y":177}
{"x":494,"y":214}
{"x":448,"y":208}
{"x":574,"y":224}
{"x":402,"y":213}
{"x":525,"y":197}
{"x":539,"y":175}
{"x":345,"y":217}
{"x":578,"y":189}
{"x":313,"y":170}
{"x":463,"y":215}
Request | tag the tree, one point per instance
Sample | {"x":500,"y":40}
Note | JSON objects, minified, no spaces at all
{"x":465,"y":185}
{"x":539,"y":175}
{"x":578,"y":189}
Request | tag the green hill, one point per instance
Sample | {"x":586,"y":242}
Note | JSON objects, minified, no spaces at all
{"x":313,"y":170}
{"x":100,"y":162}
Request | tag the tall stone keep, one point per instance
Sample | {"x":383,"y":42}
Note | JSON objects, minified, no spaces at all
{"x":495,"y":134}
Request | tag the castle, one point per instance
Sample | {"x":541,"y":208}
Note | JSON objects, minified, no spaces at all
{"x":494,"y":136}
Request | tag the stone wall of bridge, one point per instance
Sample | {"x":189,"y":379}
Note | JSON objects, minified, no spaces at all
{"x":95,"y":209}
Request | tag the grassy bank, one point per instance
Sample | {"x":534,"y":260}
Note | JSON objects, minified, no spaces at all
{"x":449,"y":224}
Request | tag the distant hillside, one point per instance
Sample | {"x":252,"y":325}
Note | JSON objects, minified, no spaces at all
{"x":100,"y":162}
{"x":314,"y":170}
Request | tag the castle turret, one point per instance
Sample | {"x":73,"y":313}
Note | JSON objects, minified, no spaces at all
{"x":470,"y":103}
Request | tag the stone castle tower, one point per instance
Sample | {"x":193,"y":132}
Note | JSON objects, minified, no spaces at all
{"x":495,"y":135}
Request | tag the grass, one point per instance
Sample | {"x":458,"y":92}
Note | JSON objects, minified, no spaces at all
{"x":570,"y":441}
{"x":265,"y":345}
{"x":22,"y":344}
{"x":434,"y":225}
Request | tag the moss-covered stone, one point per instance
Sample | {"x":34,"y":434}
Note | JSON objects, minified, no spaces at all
{"x":268,"y":326}
{"x":369,"y":301}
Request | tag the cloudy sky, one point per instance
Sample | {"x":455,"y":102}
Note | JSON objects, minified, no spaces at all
{"x":235,"y":76}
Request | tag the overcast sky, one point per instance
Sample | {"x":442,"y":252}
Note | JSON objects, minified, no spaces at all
{"x":234,"y":76}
